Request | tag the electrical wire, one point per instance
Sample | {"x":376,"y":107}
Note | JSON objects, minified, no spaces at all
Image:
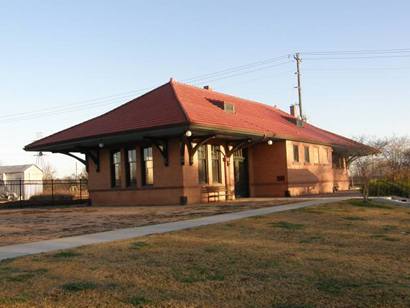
{"x":212,"y":77}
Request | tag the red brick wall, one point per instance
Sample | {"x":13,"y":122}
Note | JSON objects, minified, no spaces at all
{"x":311,"y":177}
{"x":167,"y":187}
{"x":267,"y":170}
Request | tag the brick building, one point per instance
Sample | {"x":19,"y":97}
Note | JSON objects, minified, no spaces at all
{"x":183,"y":144}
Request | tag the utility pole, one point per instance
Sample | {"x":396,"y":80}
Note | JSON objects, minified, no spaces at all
{"x":298,"y":60}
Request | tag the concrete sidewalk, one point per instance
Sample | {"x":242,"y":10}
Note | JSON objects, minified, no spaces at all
{"x":13,"y":251}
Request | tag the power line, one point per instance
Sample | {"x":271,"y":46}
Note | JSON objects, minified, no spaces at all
{"x":365,"y":51}
{"x":215,"y":76}
{"x":80,"y":103}
{"x":357,"y":57}
{"x":234,"y":69}
{"x":246,"y":72}
{"x":97,"y":102}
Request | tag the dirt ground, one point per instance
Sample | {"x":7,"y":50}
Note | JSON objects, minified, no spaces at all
{"x":28,"y":225}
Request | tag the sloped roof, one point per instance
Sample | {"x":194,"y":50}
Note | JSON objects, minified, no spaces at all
{"x":175,"y":103}
{"x":15,"y":168}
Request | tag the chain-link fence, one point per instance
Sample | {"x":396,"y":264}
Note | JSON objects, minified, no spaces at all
{"x":48,"y":191}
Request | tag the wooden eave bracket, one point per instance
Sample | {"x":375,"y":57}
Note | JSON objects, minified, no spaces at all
{"x":162,"y":146}
{"x":83,"y":161}
{"x":186,"y":141}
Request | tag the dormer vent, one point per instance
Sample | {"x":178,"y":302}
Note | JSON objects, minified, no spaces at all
{"x":225,"y":106}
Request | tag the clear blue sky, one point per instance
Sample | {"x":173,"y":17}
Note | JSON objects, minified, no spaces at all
{"x":56,"y":53}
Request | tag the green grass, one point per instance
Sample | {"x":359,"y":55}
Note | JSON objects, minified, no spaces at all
{"x":354,"y":218}
{"x":138,"y":245}
{"x":66,"y":255}
{"x":369,"y":204}
{"x":335,"y":286}
{"x":137,"y":301}
{"x":78,"y":286}
{"x":287,"y":225}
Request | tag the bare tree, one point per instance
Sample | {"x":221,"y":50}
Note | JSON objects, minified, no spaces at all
{"x":365,"y":165}
{"x":49,"y":171}
{"x":396,"y":154}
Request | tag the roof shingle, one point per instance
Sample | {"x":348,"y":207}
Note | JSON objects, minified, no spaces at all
{"x":177,"y":103}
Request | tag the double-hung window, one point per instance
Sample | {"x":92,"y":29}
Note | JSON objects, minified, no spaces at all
{"x":216,"y":164}
{"x":203,"y":164}
{"x":147,"y":166}
{"x":116,"y":168}
{"x":307,"y":154}
{"x":131,"y":167}
{"x":295,"y":153}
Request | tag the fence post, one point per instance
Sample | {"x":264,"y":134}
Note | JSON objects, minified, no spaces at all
{"x":20,"y":190}
{"x":81,"y":195}
{"x":52,"y":191}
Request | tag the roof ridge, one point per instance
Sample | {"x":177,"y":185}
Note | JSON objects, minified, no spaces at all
{"x":276,"y":109}
{"x":172,"y":83}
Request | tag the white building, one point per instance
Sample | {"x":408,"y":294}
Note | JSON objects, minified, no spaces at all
{"x":24,"y":179}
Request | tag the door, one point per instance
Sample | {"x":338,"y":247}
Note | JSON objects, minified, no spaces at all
{"x":240,"y":161}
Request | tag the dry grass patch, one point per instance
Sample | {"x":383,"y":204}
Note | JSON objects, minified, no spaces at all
{"x":304,"y":258}
{"x":29,"y":225}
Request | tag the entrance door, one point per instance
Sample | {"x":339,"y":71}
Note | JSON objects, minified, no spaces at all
{"x":240,"y":161}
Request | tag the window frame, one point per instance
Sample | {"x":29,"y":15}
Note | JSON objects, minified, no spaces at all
{"x":115,"y":183}
{"x":306,"y":150}
{"x":144,"y":165}
{"x":296,"y":156}
{"x":128,"y":163}
{"x":203,"y":160}
{"x":316,"y":150}
{"x":216,"y":164}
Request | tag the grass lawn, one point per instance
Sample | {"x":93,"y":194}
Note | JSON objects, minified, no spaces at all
{"x":340,"y":255}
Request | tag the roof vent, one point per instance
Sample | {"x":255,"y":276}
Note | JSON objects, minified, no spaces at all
{"x":227,"y":107}
{"x":208,"y":88}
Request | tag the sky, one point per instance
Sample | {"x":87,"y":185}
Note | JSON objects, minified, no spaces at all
{"x":63,"y":62}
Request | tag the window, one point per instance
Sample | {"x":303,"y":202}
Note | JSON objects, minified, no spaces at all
{"x":116,"y":169}
{"x":216,"y":164}
{"x":147,"y":166}
{"x":295,"y":153}
{"x":307,"y":154}
{"x":202,"y":164}
{"x":327,"y":156}
{"x":131,"y":167}
{"x":316,"y":156}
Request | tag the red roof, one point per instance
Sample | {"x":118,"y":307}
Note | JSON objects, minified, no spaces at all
{"x":176,"y":103}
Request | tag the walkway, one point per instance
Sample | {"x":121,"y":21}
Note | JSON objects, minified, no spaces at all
{"x":18,"y":250}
